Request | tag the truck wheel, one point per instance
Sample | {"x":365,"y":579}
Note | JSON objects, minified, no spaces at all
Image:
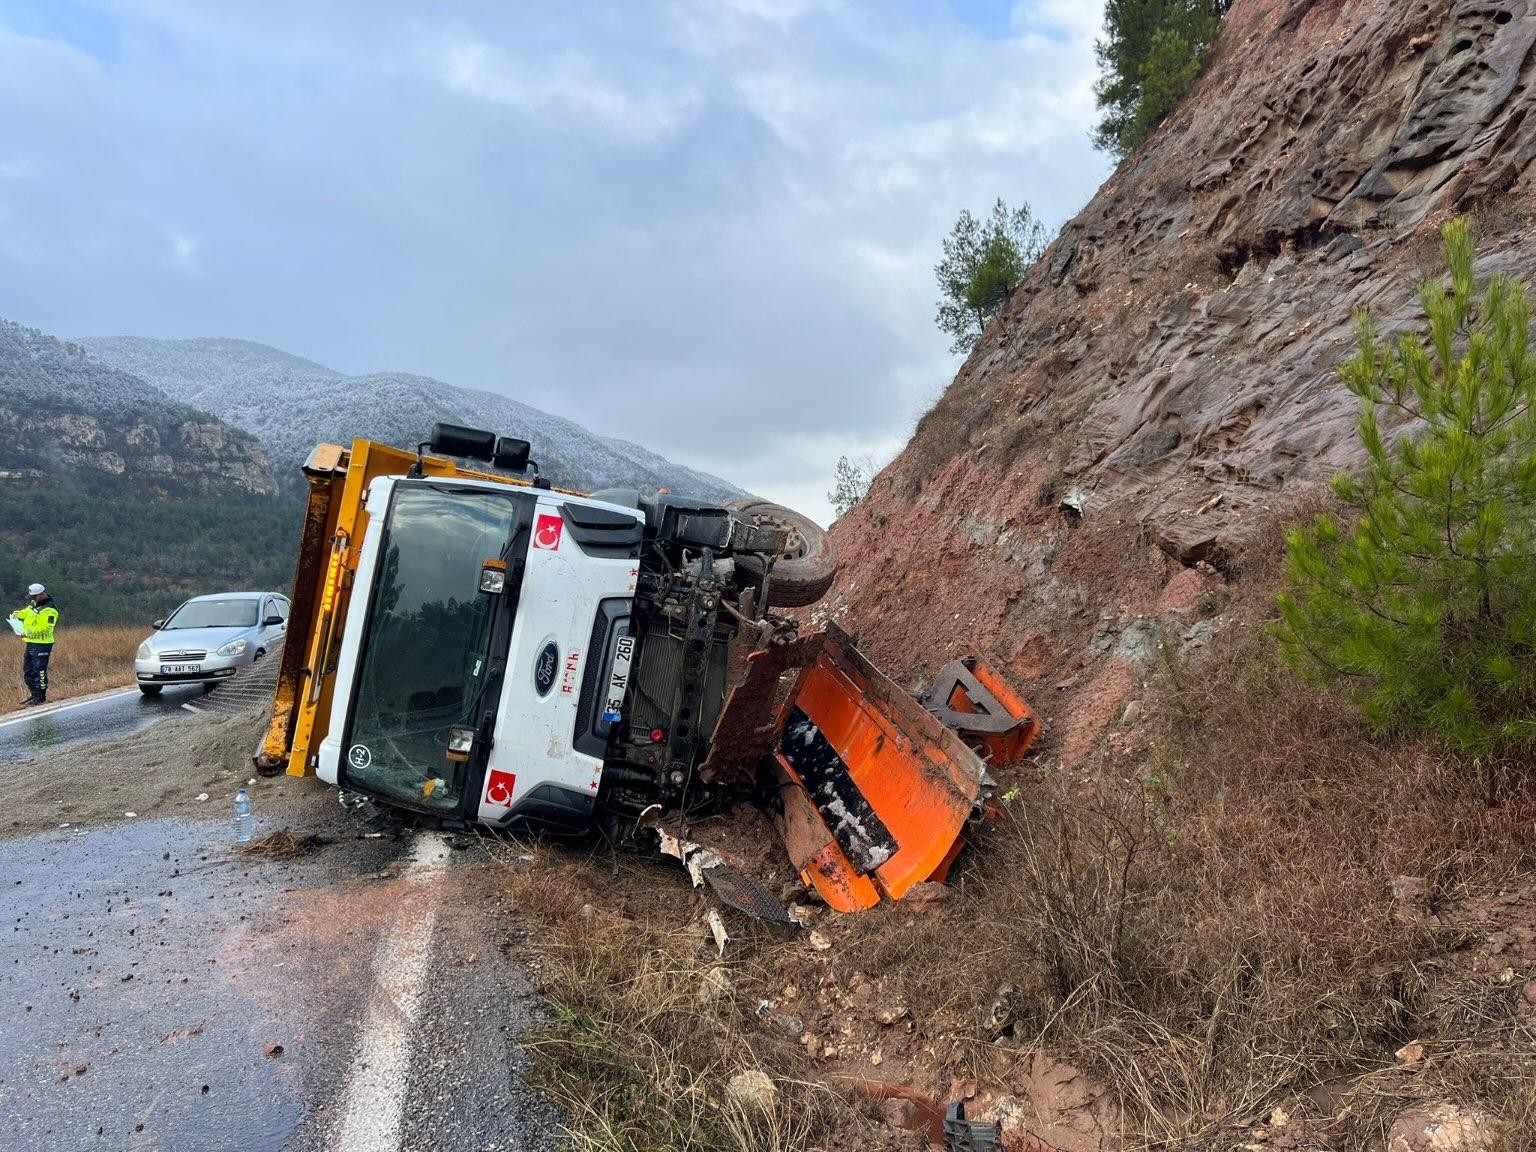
{"x":802,"y":575}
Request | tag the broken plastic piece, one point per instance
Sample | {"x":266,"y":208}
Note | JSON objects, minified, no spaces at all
{"x":717,"y":930}
{"x":705,"y":866}
{"x":962,"y":1135}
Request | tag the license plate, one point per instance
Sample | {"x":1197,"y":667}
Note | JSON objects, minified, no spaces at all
{"x":618,"y":679}
{"x":179,"y":669}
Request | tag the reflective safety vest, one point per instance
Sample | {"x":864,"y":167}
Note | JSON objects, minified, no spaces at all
{"x":37,"y":623}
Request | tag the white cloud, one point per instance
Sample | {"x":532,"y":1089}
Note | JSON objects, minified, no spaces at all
{"x":692,"y":223}
{"x":183,"y":253}
{"x":562,"y":87}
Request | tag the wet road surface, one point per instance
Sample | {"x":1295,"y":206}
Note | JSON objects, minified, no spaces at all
{"x":150,"y":971}
{"x":31,"y":732}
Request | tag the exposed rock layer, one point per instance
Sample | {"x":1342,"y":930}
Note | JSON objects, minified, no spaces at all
{"x":65,"y":418}
{"x":1165,"y":381}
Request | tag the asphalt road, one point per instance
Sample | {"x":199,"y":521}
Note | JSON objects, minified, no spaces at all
{"x":166,"y":992}
{"x":32,"y":731}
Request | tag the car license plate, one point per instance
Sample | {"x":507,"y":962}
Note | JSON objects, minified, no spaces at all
{"x":618,"y":679}
{"x":179,"y":669}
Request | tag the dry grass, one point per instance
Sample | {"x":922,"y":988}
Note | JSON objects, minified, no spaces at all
{"x":1205,"y":925}
{"x":647,"y":1026}
{"x":1208,"y":925}
{"x":87,"y":658}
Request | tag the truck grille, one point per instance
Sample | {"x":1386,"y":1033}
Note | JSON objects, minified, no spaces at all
{"x":181,"y":657}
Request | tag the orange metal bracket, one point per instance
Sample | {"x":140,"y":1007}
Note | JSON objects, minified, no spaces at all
{"x":971,"y":697}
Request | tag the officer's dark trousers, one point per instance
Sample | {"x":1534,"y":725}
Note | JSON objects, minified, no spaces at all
{"x":34,"y":669}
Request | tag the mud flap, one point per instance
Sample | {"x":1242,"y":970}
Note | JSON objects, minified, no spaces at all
{"x":876,"y":792}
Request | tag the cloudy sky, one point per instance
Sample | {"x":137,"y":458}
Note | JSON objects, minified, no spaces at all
{"x":705,"y":225}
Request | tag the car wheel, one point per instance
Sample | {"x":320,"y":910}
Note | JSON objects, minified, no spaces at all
{"x":808,"y":565}
{"x":260,"y":652}
{"x":150,"y":689}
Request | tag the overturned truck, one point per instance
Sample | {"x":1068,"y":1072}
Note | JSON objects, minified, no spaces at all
{"x":476,"y":646}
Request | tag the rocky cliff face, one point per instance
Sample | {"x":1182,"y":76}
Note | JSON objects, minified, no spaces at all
{"x":1164,"y":384}
{"x":65,"y":418}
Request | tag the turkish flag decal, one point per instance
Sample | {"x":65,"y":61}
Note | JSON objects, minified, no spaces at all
{"x":547,"y":530}
{"x":499,"y":788}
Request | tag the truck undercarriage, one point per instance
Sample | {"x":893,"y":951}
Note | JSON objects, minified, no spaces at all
{"x":477,"y":647}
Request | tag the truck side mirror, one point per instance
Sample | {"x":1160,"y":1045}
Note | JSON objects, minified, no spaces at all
{"x":157,"y":625}
{"x":511,"y":454}
{"x":467,"y":443}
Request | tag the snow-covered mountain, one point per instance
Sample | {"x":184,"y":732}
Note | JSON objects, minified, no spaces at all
{"x":291,"y":403}
{"x":66,"y":418}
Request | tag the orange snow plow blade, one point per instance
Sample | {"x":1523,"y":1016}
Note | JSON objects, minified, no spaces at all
{"x":876,"y":790}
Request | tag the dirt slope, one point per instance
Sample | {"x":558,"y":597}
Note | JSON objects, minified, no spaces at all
{"x":1168,"y":369}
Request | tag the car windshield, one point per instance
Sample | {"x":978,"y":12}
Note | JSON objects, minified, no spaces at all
{"x":214,"y":613}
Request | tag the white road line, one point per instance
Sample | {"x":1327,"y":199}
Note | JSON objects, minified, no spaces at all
{"x":375,"y":1092}
{"x":55,"y":709}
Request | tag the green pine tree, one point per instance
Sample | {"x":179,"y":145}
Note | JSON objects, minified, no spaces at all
{"x":1426,"y":604}
{"x":1151,"y":55}
{"x":851,"y":483}
{"x":984,"y":261}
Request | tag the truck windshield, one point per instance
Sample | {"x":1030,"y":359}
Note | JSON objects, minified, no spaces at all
{"x":423,"y":655}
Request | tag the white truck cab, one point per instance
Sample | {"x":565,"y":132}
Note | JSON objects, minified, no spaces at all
{"x":489,"y":652}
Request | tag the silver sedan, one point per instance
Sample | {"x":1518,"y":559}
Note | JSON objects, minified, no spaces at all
{"x":210,"y":638}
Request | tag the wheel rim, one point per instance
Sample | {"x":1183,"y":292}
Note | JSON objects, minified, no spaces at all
{"x":794,"y":543}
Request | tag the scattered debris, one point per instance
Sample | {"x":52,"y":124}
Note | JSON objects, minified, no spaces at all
{"x":272,"y":1050}
{"x":282,"y":845}
{"x":1443,"y":1128}
{"x":717,"y":930}
{"x":962,"y":1135}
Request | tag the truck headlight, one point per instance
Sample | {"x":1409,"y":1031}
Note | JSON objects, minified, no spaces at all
{"x":143,"y":652}
{"x":460,"y":742}
{"x":233,"y":648}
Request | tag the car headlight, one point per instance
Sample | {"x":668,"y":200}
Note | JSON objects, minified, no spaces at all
{"x":143,"y":653}
{"x":233,"y":648}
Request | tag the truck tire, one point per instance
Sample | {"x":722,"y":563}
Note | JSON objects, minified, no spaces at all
{"x":802,"y":575}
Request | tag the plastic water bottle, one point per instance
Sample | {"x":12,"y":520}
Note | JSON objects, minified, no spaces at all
{"x":245,"y":823}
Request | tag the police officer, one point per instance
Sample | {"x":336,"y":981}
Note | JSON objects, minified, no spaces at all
{"x":38,"y":620}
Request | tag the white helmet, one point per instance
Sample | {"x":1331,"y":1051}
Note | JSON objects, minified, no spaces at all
{"x":36,"y":590}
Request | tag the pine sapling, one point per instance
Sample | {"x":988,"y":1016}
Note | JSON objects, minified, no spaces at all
{"x":1423,"y":601}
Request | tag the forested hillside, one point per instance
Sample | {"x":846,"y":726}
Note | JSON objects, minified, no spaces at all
{"x":120,"y":499}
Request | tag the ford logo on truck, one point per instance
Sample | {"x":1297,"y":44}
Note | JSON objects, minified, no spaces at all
{"x":545,"y":668}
